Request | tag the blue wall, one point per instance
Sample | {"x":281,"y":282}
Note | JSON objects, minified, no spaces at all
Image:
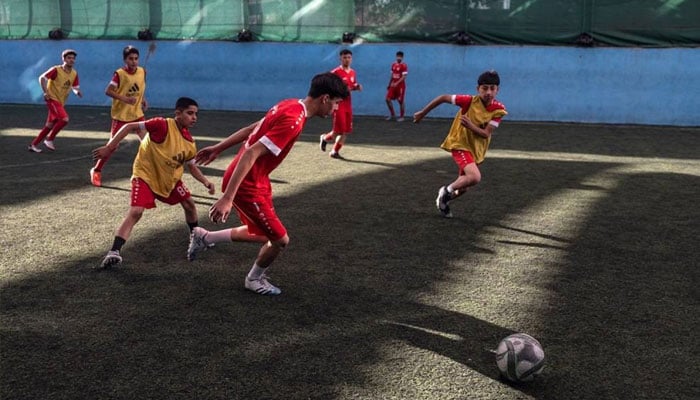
{"x":601,"y":85}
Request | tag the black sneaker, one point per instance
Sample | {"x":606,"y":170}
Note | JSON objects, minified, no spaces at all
{"x":322,"y":143}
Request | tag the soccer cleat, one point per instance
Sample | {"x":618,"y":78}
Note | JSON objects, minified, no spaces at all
{"x":389,"y":118}
{"x":198,"y":243}
{"x":111,"y":259}
{"x":336,"y":155}
{"x":400,"y":119}
{"x":34,"y":149}
{"x":441,"y":201}
{"x":49,"y":145}
{"x":262,"y":286}
{"x":95,"y":177}
{"x":322,"y":143}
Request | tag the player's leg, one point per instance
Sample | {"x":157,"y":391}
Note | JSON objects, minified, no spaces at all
{"x":96,"y":171}
{"x":342,"y":125}
{"x":142,"y":198}
{"x":60,"y":121}
{"x":402,"y":103}
{"x":256,"y":280}
{"x":48,"y":125}
{"x":201,"y":239}
{"x":390,"y":105}
{"x":469,"y":175}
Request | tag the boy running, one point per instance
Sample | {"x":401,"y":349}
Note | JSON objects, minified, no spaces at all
{"x":126,"y":89}
{"x":469,"y":136}
{"x":166,"y":146}
{"x":342,"y":117}
{"x":56,"y":83}
{"x":246,"y":182}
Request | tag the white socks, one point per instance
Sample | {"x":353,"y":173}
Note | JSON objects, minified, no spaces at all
{"x":256,"y":272}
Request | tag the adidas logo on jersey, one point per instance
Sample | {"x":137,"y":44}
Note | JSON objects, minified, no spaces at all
{"x":133,"y":90}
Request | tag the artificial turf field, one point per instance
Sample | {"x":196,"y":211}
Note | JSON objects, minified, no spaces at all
{"x":584,"y":236}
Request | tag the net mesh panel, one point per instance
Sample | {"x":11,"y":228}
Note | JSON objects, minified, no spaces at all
{"x":539,"y":22}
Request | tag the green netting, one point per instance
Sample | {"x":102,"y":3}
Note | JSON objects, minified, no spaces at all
{"x":543,"y":22}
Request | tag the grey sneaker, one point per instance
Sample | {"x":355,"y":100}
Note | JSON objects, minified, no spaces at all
{"x":322,"y":143}
{"x":34,"y":149}
{"x":198,"y":242}
{"x":441,"y":201}
{"x":111,"y":259}
{"x":49,"y":145}
{"x":262,"y":286}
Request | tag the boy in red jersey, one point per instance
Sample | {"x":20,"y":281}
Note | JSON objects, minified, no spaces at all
{"x":166,"y":146}
{"x":470,"y":134}
{"x":342,"y":117}
{"x":397,"y":87}
{"x":126,"y":89}
{"x":56,"y":83}
{"x":246,"y":182}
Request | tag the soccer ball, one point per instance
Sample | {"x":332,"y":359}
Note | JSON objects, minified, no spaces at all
{"x":520,"y":357}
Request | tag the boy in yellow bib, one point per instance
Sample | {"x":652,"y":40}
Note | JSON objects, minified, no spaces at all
{"x":469,"y":136}
{"x":166,"y":147}
{"x":126,"y":89}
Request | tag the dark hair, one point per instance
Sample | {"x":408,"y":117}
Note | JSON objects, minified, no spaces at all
{"x":330,"y":84}
{"x":185,"y":102}
{"x":345,"y":51}
{"x":489,"y":77}
{"x":399,"y":53}
{"x":130,"y":50}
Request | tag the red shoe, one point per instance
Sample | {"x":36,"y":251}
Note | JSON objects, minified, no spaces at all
{"x":95,"y":177}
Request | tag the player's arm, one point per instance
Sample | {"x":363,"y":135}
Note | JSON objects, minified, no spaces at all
{"x":445,"y":98}
{"x":44,"y":82}
{"x":198,"y":175}
{"x":111,"y":91}
{"x":76,"y":87}
{"x":113,"y":143}
{"x":483,"y":132}
{"x":208,"y":154}
{"x":220,"y":210}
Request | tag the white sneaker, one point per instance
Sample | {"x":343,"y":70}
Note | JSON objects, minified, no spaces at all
{"x":111,"y":259}
{"x":441,"y":201}
{"x":389,"y":118}
{"x":400,"y":119}
{"x":34,"y":149}
{"x":262,"y":286}
{"x":49,"y":145}
{"x":198,"y":242}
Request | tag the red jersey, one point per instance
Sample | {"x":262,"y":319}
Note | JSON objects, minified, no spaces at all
{"x":350,"y":79}
{"x":397,"y":71}
{"x":277,"y":131}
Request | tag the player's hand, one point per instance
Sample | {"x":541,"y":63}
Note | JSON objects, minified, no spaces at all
{"x":130,"y":100}
{"x":206,"y":155}
{"x":220,"y":210}
{"x":144,"y":105}
{"x":465,"y":121}
{"x":210,"y":187}
{"x":358,"y":87}
{"x":100,"y":153}
{"x":418,"y":116}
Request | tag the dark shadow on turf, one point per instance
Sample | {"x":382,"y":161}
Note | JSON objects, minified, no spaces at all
{"x":360,"y":262}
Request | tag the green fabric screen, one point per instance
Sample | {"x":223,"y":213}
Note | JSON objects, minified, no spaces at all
{"x":655,"y":23}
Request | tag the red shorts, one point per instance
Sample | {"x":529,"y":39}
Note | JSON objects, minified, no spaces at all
{"x":143,"y":196}
{"x":397,"y":92}
{"x":259,"y":216}
{"x":342,"y":120}
{"x":56,"y":111}
{"x":462,"y":158}
{"x":116,"y":124}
